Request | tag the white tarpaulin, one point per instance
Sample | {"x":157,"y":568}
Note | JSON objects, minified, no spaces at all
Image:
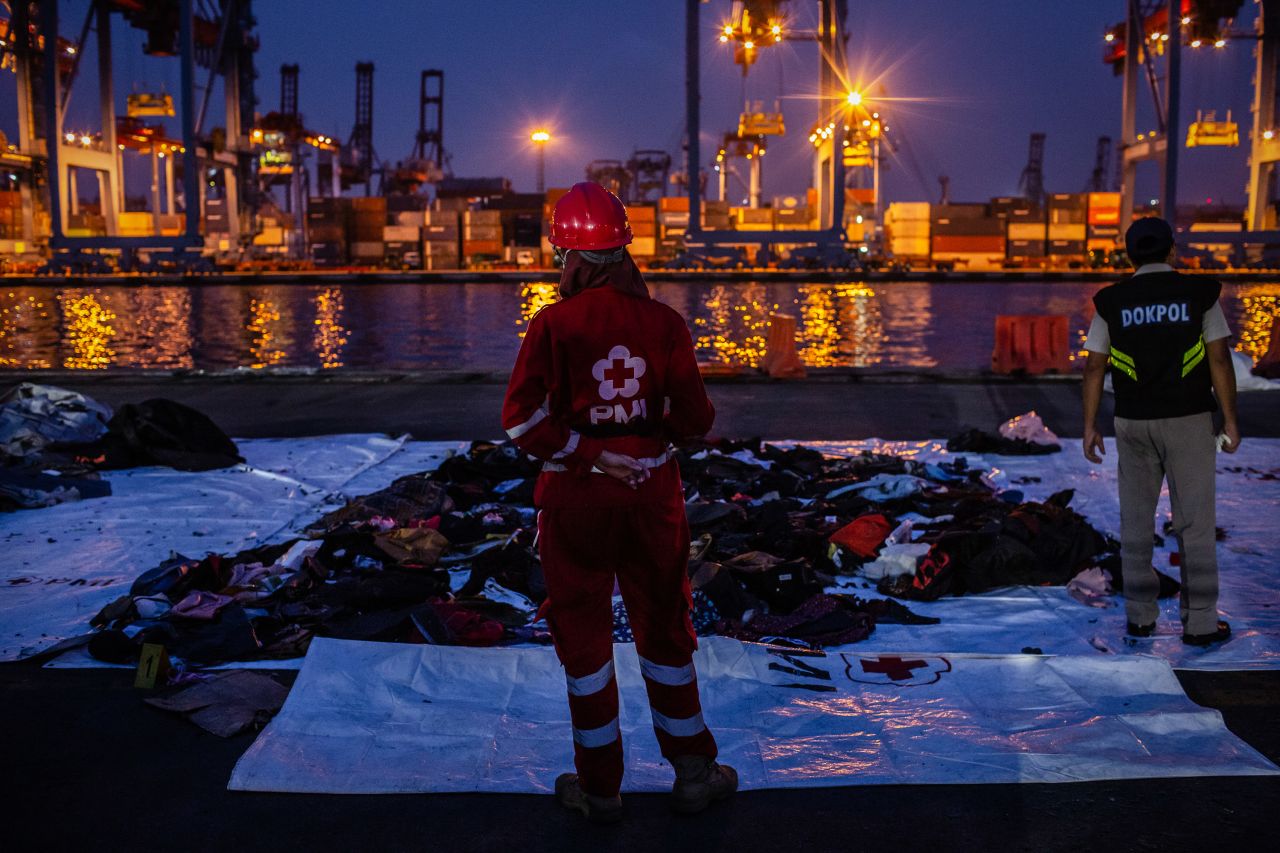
{"x":369,"y":718}
{"x":60,"y":565}
{"x":101,"y":545}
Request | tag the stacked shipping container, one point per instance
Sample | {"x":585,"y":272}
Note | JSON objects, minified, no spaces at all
{"x":1103,"y":232}
{"x":481,"y":236}
{"x":1068,"y":214}
{"x":441,"y":240}
{"x":964,"y":235}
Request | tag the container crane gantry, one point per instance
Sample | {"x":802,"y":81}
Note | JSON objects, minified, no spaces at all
{"x":759,"y":24}
{"x":219,"y":39}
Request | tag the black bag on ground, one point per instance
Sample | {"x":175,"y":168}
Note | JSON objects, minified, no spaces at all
{"x":162,"y":432}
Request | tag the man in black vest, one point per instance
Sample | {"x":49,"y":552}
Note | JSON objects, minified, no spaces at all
{"x":1165,"y":339}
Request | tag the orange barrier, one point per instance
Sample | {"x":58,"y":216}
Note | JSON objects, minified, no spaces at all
{"x":1269,"y":364}
{"x":781,"y":361}
{"x":1031,"y":343}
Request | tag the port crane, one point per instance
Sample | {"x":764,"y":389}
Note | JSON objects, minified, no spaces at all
{"x":650,"y":170}
{"x":1100,"y":177}
{"x":211,"y":36}
{"x":757,"y":25}
{"x":1031,"y":182}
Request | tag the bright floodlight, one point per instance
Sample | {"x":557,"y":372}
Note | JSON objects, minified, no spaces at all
{"x":854,"y":98}
{"x":540,"y":136}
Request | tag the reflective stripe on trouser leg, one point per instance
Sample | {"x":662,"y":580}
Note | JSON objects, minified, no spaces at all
{"x":605,"y":735}
{"x":677,"y":718}
{"x":672,"y":676}
{"x":686,"y":727}
{"x":579,"y":614}
{"x":597,"y":740}
{"x":593,"y":683}
{"x":654,"y":580}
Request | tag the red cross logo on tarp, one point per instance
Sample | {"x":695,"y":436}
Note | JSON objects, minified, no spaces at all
{"x":894,"y":667}
{"x":895,"y":670}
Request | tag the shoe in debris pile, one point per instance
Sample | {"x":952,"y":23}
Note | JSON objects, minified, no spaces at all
{"x":700,"y":781}
{"x":596,"y":809}
{"x":1218,"y":636}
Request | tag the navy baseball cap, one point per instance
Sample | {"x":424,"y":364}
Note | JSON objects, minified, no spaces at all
{"x":1149,"y":237}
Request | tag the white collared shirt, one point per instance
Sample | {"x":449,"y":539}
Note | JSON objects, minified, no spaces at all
{"x":1213,"y":328}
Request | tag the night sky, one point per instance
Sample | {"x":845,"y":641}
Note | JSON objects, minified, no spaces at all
{"x":609,"y":77}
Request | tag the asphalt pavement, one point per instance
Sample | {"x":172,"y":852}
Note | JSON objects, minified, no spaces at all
{"x":86,"y":765}
{"x":447,"y":406}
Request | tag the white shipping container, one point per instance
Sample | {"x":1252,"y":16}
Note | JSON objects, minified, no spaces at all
{"x":970,"y":260}
{"x":908,"y":229}
{"x":411,"y":217}
{"x":909,"y":247}
{"x":483,"y":232}
{"x":908,"y":210}
{"x":441,"y":217}
{"x":1027,"y":231}
{"x":434,"y":248}
{"x":1061,"y":231}
{"x":401,"y":234}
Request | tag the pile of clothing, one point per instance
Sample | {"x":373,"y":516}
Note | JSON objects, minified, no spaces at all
{"x":53,"y":443}
{"x":448,"y":557}
{"x":1024,"y":435}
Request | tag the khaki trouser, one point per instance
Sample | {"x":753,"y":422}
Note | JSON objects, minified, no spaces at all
{"x":1181,"y":451}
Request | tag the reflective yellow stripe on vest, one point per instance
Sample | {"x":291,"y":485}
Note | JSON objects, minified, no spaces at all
{"x":1124,"y":364}
{"x":1192,"y":357}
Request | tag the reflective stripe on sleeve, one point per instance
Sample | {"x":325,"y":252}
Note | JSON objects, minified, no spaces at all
{"x":593,"y":683}
{"x":595,"y":738}
{"x":569,"y":446}
{"x":519,"y":430}
{"x":672,"y":676}
{"x":688,"y":727}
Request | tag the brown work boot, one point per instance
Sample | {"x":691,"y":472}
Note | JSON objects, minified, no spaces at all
{"x":700,"y":781}
{"x":596,"y":809}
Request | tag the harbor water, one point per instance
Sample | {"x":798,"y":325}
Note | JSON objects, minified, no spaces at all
{"x":944,"y":326}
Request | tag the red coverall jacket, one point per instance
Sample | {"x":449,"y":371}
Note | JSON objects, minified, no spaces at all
{"x":605,"y":370}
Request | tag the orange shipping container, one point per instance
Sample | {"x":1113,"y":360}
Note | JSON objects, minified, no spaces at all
{"x":674,"y":204}
{"x":642,"y":213}
{"x":644,"y":229}
{"x":481,"y":247}
{"x":944,"y":243}
{"x":859,"y":195}
{"x":1104,"y":209}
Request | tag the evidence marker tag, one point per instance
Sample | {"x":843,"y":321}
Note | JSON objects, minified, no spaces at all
{"x":153,"y":666}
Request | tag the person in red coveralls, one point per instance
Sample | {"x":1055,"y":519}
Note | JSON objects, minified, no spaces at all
{"x":605,"y":380}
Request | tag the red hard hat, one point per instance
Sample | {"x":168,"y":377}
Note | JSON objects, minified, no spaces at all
{"x":589,"y":217}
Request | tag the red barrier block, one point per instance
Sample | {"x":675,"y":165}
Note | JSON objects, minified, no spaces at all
{"x":1031,"y":343}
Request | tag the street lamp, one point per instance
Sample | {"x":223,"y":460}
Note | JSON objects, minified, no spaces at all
{"x":854,"y":98}
{"x":540,"y":138}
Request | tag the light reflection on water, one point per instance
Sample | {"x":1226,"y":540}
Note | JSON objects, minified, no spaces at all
{"x":478,"y":327}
